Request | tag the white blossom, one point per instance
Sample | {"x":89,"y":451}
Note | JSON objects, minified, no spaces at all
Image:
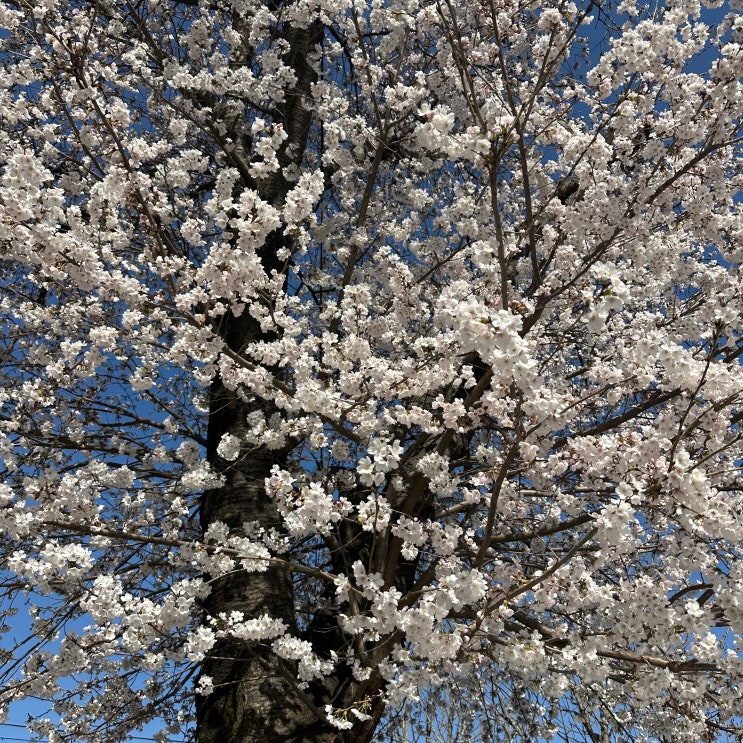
{"x":385,"y":352}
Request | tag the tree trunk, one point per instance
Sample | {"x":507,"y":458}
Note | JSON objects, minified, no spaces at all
{"x":256,"y":696}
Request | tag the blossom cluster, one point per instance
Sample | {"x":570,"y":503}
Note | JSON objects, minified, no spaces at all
{"x":394,"y":344}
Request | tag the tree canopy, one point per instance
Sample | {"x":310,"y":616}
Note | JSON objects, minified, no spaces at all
{"x":372,"y":362}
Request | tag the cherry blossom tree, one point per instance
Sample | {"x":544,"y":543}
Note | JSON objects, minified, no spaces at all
{"x":363,"y":357}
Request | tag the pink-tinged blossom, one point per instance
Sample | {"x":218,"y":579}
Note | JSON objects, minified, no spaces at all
{"x":385,"y":354}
